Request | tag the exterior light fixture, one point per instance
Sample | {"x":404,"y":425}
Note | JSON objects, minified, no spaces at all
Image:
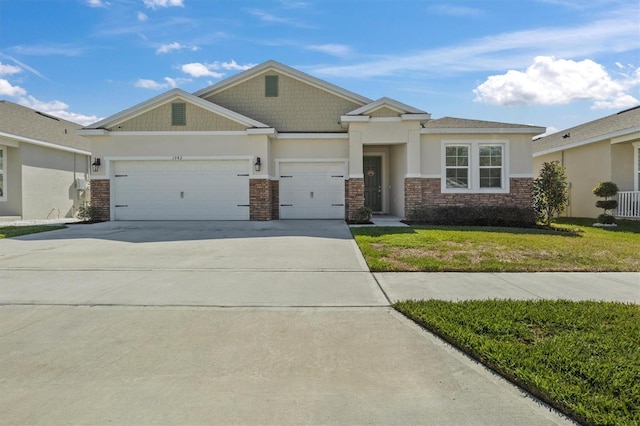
{"x":95,"y":165}
{"x":258,"y":165}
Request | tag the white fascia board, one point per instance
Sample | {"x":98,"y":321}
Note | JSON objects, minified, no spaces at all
{"x":500,"y":130}
{"x":587,"y":141}
{"x":312,"y":136}
{"x":416,"y":117}
{"x":181,"y":133}
{"x":389,"y":103}
{"x":354,"y":118}
{"x":44,"y":144}
{"x":92,"y":132}
{"x":262,"y":131}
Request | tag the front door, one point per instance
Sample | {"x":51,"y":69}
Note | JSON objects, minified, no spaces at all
{"x":373,"y":183}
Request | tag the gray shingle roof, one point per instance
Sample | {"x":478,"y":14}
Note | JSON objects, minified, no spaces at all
{"x":26,"y":122}
{"x":593,"y":131}
{"x":463,"y":123}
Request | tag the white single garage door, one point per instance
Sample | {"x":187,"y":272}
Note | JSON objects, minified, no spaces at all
{"x":312,"y":190}
{"x":181,"y":190}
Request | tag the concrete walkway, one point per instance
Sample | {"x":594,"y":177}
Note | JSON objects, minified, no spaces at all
{"x":226,"y":323}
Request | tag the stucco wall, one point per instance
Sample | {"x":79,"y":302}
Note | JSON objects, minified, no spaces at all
{"x":520,"y":152}
{"x":13,"y":181}
{"x":159,"y":119}
{"x":586,"y":166}
{"x":299,"y":107}
{"x":398,"y":165}
{"x":622,"y":167}
{"x":49,"y":182}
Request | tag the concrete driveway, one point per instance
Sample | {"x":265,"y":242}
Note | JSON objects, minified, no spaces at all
{"x":224,"y":323}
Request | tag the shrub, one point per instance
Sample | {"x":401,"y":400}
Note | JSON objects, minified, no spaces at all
{"x":606,"y":190}
{"x":363,"y":215}
{"x":88,"y":213}
{"x":550,"y":192}
{"x":474,"y":216}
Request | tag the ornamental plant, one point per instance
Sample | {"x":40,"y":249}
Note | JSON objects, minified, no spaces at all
{"x":606,"y":190}
{"x":550,"y":192}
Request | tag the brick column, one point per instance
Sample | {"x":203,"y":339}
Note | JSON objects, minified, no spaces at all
{"x":353,"y":196}
{"x":259,"y":199}
{"x":101,"y":197}
{"x":275,"y":199}
{"x":412,"y":194}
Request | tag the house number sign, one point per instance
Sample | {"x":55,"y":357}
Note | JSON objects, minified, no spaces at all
{"x":177,"y":157}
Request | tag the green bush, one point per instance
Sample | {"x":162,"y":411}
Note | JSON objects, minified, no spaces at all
{"x":88,"y":213}
{"x":473,"y":216}
{"x":606,"y":190}
{"x":363,"y":215}
{"x":606,"y":219}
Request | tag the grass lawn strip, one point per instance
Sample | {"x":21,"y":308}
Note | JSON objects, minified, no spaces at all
{"x":16,"y":231}
{"x":573,"y":246}
{"x":580,"y":357}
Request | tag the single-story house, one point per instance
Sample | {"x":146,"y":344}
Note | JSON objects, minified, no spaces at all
{"x":273,"y":142}
{"x":603,"y":150}
{"x":44,"y":165}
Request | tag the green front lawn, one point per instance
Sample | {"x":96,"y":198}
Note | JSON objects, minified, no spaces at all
{"x":573,"y":245}
{"x":16,"y":231}
{"x":580,"y":357}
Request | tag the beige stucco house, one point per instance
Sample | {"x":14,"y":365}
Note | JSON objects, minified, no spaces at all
{"x":44,"y":165}
{"x":603,"y":150}
{"x":275,"y":143}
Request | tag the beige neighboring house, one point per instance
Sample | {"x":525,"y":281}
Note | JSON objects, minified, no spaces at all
{"x":44,"y":165}
{"x":603,"y":150}
{"x":275,"y":143}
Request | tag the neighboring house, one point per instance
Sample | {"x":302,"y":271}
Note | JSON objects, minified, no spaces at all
{"x":44,"y":165}
{"x":603,"y":150}
{"x":275,"y":143}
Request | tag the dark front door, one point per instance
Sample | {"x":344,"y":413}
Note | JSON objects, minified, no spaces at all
{"x":373,"y":183}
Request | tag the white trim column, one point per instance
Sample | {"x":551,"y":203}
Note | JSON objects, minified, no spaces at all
{"x":355,"y":155}
{"x":413,"y":154}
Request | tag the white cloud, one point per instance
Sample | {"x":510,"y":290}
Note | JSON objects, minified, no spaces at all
{"x":615,"y":32}
{"x":154,"y":85}
{"x":97,"y":3}
{"x":7,"y":89}
{"x":154,"y":4}
{"x":141,"y":17}
{"x":58,"y":109}
{"x":9,"y":69}
{"x":166,"y":48}
{"x":550,"y":81}
{"x":273,"y":19}
{"x":331,"y":49}
{"x":197,"y":69}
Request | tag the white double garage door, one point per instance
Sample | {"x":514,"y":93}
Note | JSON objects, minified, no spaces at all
{"x":219,"y":190}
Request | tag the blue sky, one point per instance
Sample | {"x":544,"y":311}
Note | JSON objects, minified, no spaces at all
{"x":553,"y":63}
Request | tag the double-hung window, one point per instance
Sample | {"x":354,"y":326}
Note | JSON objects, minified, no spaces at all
{"x":475,"y":166}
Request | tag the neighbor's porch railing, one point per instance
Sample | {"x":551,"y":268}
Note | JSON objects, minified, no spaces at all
{"x":628,"y":204}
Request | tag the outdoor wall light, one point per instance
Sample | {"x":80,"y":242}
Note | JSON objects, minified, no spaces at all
{"x":258,"y":165}
{"x":95,"y":165}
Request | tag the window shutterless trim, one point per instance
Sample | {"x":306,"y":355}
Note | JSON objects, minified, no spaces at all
{"x":271,"y":86}
{"x":178,"y":114}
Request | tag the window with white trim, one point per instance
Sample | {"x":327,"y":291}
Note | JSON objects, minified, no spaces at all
{"x":3,"y":167}
{"x":457,"y":166}
{"x":475,"y":166}
{"x":637,"y":183}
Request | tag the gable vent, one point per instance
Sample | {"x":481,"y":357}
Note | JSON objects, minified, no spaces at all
{"x":178,"y":114}
{"x":271,"y":86}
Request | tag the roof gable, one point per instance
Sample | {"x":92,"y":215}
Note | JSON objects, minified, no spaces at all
{"x":272,"y":65}
{"x":172,"y":96}
{"x":386,"y":103}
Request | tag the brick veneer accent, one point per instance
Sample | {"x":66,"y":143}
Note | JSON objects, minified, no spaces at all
{"x":353,"y":196}
{"x":260,"y":199}
{"x":520,"y":195}
{"x":413,"y":193}
{"x":101,"y":197}
{"x":275,"y":199}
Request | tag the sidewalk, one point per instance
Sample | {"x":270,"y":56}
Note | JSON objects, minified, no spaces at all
{"x":607,"y":286}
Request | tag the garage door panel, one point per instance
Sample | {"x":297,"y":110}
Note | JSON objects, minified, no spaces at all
{"x":312,"y":190}
{"x":182,"y":190}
